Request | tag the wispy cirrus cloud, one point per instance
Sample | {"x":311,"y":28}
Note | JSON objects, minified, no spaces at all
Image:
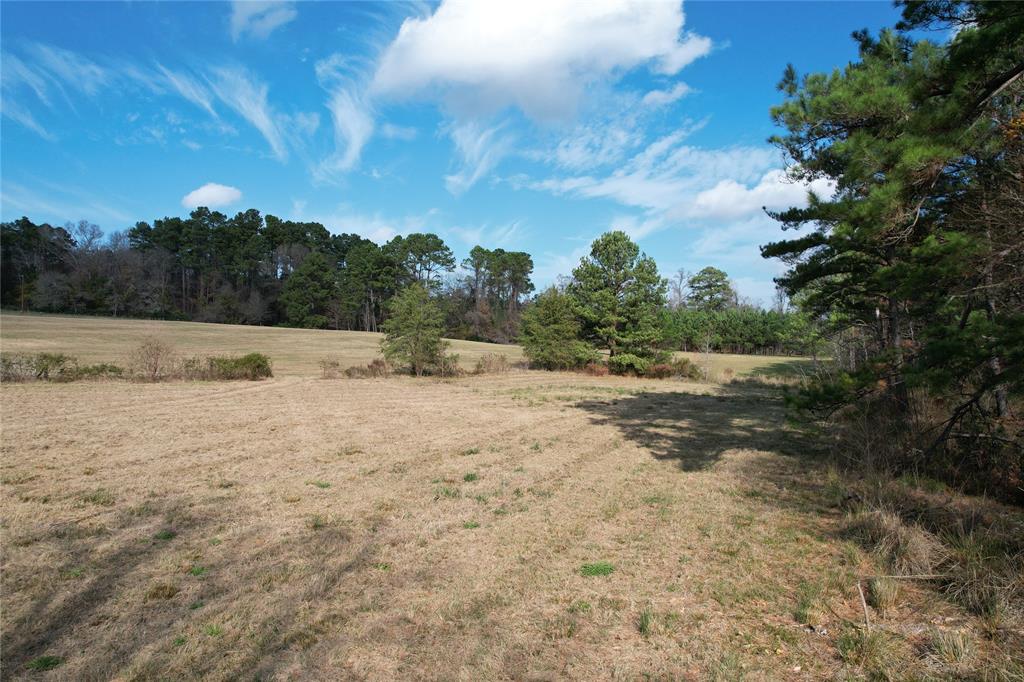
{"x":480,"y":149}
{"x":246,"y":94}
{"x":259,"y":19}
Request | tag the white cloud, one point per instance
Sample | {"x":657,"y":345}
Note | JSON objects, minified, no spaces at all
{"x":537,"y":55}
{"x":775,"y":190}
{"x":500,"y":236}
{"x":480,"y":150}
{"x":189,"y":88}
{"x":351,"y":113}
{"x":247,"y":95}
{"x":396,"y":132}
{"x":259,"y":19}
{"x":658,"y":98}
{"x":211,"y":195}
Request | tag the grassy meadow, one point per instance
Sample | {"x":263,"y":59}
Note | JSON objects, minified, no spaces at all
{"x":524,"y":525}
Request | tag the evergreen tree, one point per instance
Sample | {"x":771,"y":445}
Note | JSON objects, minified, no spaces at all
{"x":308,"y":292}
{"x":413,"y":330}
{"x":550,"y":333}
{"x":618,"y":294}
{"x":710,"y":289}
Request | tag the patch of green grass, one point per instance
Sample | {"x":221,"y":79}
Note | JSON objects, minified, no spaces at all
{"x":179,"y":641}
{"x":315,"y":522}
{"x":469,"y":451}
{"x":807,"y":596}
{"x":73,"y":573}
{"x":382,"y":566}
{"x":645,"y":623}
{"x":319,"y":484}
{"x":215,"y":541}
{"x":197,"y":604}
{"x":213,"y":630}
{"x":502,"y":511}
{"x":448,"y":492}
{"x":470,"y":477}
{"x":44,"y":663}
{"x":197,"y":570}
{"x":471,"y":524}
{"x":535,"y":447}
{"x":100,"y":497}
{"x":597,"y":568}
{"x":165,"y":534}
{"x":580,"y":607}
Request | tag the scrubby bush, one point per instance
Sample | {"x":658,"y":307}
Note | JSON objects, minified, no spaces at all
{"x":448,"y":365}
{"x":906,"y":549}
{"x":376,"y":368}
{"x":330,"y":369}
{"x":100,"y":370}
{"x":17,"y":368}
{"x":153,"y":360}
{"x":683,"y":368}
{"x":627,"y":363}
{"x":492,"y":363}
{"x":595,"y":369}
{"x":251,"y":367}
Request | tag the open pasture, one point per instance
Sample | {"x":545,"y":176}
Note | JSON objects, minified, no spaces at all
{"x":528,"y":525}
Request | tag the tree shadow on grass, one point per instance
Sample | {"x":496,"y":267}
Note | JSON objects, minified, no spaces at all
{"x":696,"y":430}
{"x":794,"y":368}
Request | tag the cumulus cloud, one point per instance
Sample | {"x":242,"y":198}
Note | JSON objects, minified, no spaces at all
{"x":259,"y":19}
{"x":775,"y":190}
{"x":537,"y":55}
{"x":211,"y":195}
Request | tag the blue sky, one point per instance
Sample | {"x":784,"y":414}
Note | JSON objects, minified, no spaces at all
{"x":532,"y":126}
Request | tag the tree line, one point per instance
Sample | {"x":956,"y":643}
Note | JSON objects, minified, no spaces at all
{"x":263,"y":270}
{"x":251,"y":269}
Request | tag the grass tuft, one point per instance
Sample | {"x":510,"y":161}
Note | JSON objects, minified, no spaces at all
{"x":44,"y":663}
{"x":645,"y":622}
{"x":470,"y":477}
{"x":883,"y":593}
{"x":161,"y":591}
{"x":598,"y":568}
{"x":471,"y":524}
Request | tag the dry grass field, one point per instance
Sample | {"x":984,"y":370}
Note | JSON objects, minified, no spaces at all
{"x":295,"y":352}
{"x":528,"y":525}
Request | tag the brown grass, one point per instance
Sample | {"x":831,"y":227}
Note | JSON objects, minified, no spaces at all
{"x":406,"y":528}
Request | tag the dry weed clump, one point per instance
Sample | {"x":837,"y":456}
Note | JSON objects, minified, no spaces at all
{"x":330,"y":368}
{"x":492,"y":363}
{"x":376,"y":369}
{"x":153,"y":360}
{"x":906,"y":549}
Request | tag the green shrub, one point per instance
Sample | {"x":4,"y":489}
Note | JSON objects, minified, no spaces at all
{"x":251,"y":367}
{"x":101,"y":370}
{"x":627,"y":363}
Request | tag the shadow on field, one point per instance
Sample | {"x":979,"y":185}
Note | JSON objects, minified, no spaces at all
{"x":695,"y":430}
{"x":291,"y":580}
{"x":790,"y":369}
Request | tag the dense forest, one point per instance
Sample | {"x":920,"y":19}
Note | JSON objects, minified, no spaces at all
{"x":255,"y":269}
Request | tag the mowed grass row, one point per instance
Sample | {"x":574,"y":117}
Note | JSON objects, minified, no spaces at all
{"x":294,"y":352}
